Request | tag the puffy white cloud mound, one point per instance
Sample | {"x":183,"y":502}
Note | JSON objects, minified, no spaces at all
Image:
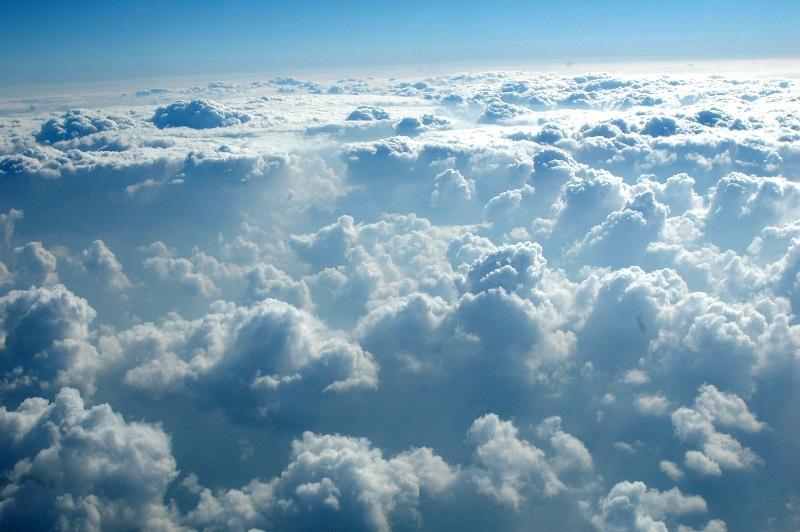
{"x":46,"y":339}
{"x":258,"y":350}
{"x":498,"y":112}
{"x":347,"y":483}
{"x":412,"y":126}
{"x":198,"y":114}
{"x":75,"y":124}
{"x":632,"y":506}
{"x":82,"y":468}
{"x":34,"y":265}
{"x":509,"y":468}
{"x":101,"y":262}
{"x":368,"y":113}
{"x":332,"y":481}
{"x":718,"y":450}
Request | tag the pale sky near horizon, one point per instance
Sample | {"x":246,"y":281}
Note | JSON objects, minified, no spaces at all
{"x":58,"y":42}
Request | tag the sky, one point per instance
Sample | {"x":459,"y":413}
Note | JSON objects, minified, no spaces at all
{"x":410,"y":268}
{"x":49,"y":42}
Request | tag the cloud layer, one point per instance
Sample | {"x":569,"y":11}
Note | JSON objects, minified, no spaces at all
{"x":484,"y":301}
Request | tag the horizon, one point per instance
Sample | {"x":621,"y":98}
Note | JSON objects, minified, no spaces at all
{"x":104,"y":42}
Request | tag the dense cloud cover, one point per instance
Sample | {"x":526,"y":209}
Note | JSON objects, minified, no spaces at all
{"x":485,"y":301}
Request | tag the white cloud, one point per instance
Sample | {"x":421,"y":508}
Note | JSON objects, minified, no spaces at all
{"x":367,"y":113}
{"x":632,"y":506}
{"x":76,"y":123}
{"x":718,"y":450}
{"x":508,"y":468}
{"x":198,"y":114}
{"x":251,"y":348}
{"x":101,"y":262}
{"x":7,"y":222}
{"x":331,"y":481}
{"x":84,"y":468}
{"x":181,"y":271}
{"x":499,"y":112}
{"x":651,"y":405}
{"x":46,"y":339}
{"x":34,"y":265}
{"x":559,"y":260}
{"x":671,"y":469}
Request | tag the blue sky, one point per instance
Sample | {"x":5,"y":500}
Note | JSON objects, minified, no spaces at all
{"x":43,"y":42}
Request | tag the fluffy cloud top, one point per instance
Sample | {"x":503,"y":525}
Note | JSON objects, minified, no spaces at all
{"x":82,"y":468}
{"x":480,"y":301}
{"x":368,"y":113}
{"x":74,"y":124}
{"x":198,"y":114}
{"x":45,"y":335}
{"x":632,"y":506}
{"x":331,"y":481}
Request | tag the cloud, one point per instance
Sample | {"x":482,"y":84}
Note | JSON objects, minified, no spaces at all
{"x":331,"y":481}
{"x":368,"y":113}
{"x":45,"y":333}
{"x":634,"y":506}
{"x":660,"y":126}
{"x":266,"y":281}
{"x":652,"y":405}
{"x":82,"y":467}
{"x":101,"y":262}
{"x":455,"y":301}
{"x":671,"y":470}
{"x":718,"y":450}
{"x":347,"y":483}
{"x":740,"y":206}
{"x":76,"y":123}
{"x":450,"y":189}
{"x":198,"y":114}
{"x":508,"y":465}
{"x":34,"y":265}
{"x":623,"y":236}
{"x":181,"y":271}
{"x":411,"y":125}
{"x":255,"y":350}
{"x":7,"y":222}
{"x":500,"y":112}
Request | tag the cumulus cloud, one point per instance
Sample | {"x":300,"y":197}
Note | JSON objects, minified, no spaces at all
{"x":82,"y":468}
{"x":7,"y":222}
{"x":367,"y":113}
{"x":652,"y":405}
{"x":459,"y":302}
{"x":331,"y":481}
{"x":101,"y":262}
{"x":500,"y":112}
{"x":660,"y":126}
{"x":347,"y":483}
{"x":634,"y":506}
{"x":414,"y":126}
{"x":198,"y":114}
{"x":258,"y":349}
{"x":45,"y":334}
{"x":34,"y":265}
{"x":508,"y":465}
{"x":74,"y":124}
{"x":181,"y":271}
{"x":718,"y":450}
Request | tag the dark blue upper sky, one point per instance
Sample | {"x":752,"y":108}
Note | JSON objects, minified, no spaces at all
{"x":58,"y":41}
